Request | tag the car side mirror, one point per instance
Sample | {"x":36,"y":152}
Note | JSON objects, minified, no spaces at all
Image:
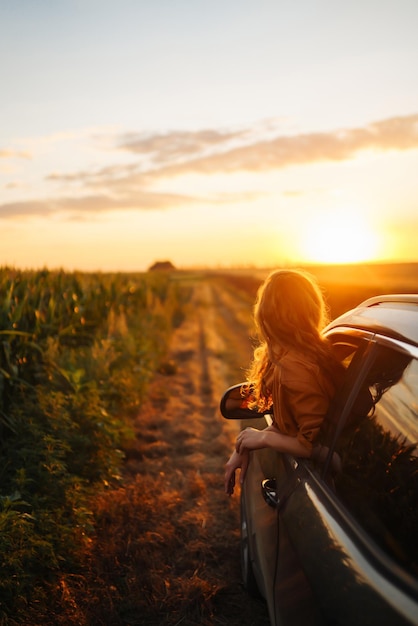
{"x":233,"y":402}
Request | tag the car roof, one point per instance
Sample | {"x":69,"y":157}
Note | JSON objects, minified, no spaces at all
{"x":392,"y":315}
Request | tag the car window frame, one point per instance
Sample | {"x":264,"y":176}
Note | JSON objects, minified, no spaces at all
{"x":357,"y":371}
{"x":366,"y":345}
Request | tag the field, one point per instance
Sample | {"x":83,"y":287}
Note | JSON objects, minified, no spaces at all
{"x":145,"y":537}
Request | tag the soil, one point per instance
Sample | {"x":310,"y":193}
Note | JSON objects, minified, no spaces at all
{"x":166,"y":549}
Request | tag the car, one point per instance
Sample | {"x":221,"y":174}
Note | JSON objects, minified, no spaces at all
{"x":333,"y":539}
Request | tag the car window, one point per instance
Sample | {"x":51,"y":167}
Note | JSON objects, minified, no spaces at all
{"x":349,"y":353}
{"x":378,"y":482}
{"x":344,"y":350}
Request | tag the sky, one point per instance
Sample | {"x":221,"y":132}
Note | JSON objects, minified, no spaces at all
{"x":211,"y":133}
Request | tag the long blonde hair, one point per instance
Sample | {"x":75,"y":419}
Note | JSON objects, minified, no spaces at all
{"x":289,"y":313}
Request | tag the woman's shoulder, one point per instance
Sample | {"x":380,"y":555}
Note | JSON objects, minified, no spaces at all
{"x":293,"y":358}
{"x":298,"y":371}
{"x":294,"y":364}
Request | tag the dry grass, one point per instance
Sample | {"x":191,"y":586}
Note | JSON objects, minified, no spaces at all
{"x":166,"y":546}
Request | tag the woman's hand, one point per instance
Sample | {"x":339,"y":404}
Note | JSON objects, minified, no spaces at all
{"x":235,"y":462}
{"x":250,"y":439}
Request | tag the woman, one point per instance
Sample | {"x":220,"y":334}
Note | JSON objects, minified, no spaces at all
{"x":293,"y":370}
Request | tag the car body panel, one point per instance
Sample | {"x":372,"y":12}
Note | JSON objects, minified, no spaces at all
{"x":392,"y":315}
{"x":348,"y":585}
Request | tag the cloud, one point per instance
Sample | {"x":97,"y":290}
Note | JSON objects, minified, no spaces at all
{"x":89,"y":204}
{"x":109,"y":177}
{"x":304,"y":149}
{"x":160,"y":157}
{"x":14,"y":154}
{"x":81,"y":207}
{"x":210,"y":152}
{"x":19,"y":209}
{"x":179,"y":144}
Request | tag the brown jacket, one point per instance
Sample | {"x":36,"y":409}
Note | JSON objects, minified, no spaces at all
{"x":301,"y":394}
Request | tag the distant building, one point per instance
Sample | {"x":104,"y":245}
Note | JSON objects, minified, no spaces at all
{"x":162,"y":266}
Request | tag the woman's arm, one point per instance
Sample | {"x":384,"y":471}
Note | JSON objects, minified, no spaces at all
{"x":235,"y":462}
{"x":270,"y":437}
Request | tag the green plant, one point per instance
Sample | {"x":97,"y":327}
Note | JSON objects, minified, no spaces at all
{"x":76,"y":353}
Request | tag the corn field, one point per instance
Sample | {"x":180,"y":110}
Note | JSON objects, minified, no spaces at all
{"x":76,"y":353}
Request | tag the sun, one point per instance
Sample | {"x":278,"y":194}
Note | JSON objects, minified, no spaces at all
{"x":342,"y":236}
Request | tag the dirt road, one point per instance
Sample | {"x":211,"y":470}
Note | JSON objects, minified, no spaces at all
{"x":167,"y":546}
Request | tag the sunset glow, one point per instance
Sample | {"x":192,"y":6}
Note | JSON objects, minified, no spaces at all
{"x":215,"y":134}
{"x":340,"y":237}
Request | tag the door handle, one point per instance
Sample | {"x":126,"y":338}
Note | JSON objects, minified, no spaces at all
{"x":269,"y":491}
